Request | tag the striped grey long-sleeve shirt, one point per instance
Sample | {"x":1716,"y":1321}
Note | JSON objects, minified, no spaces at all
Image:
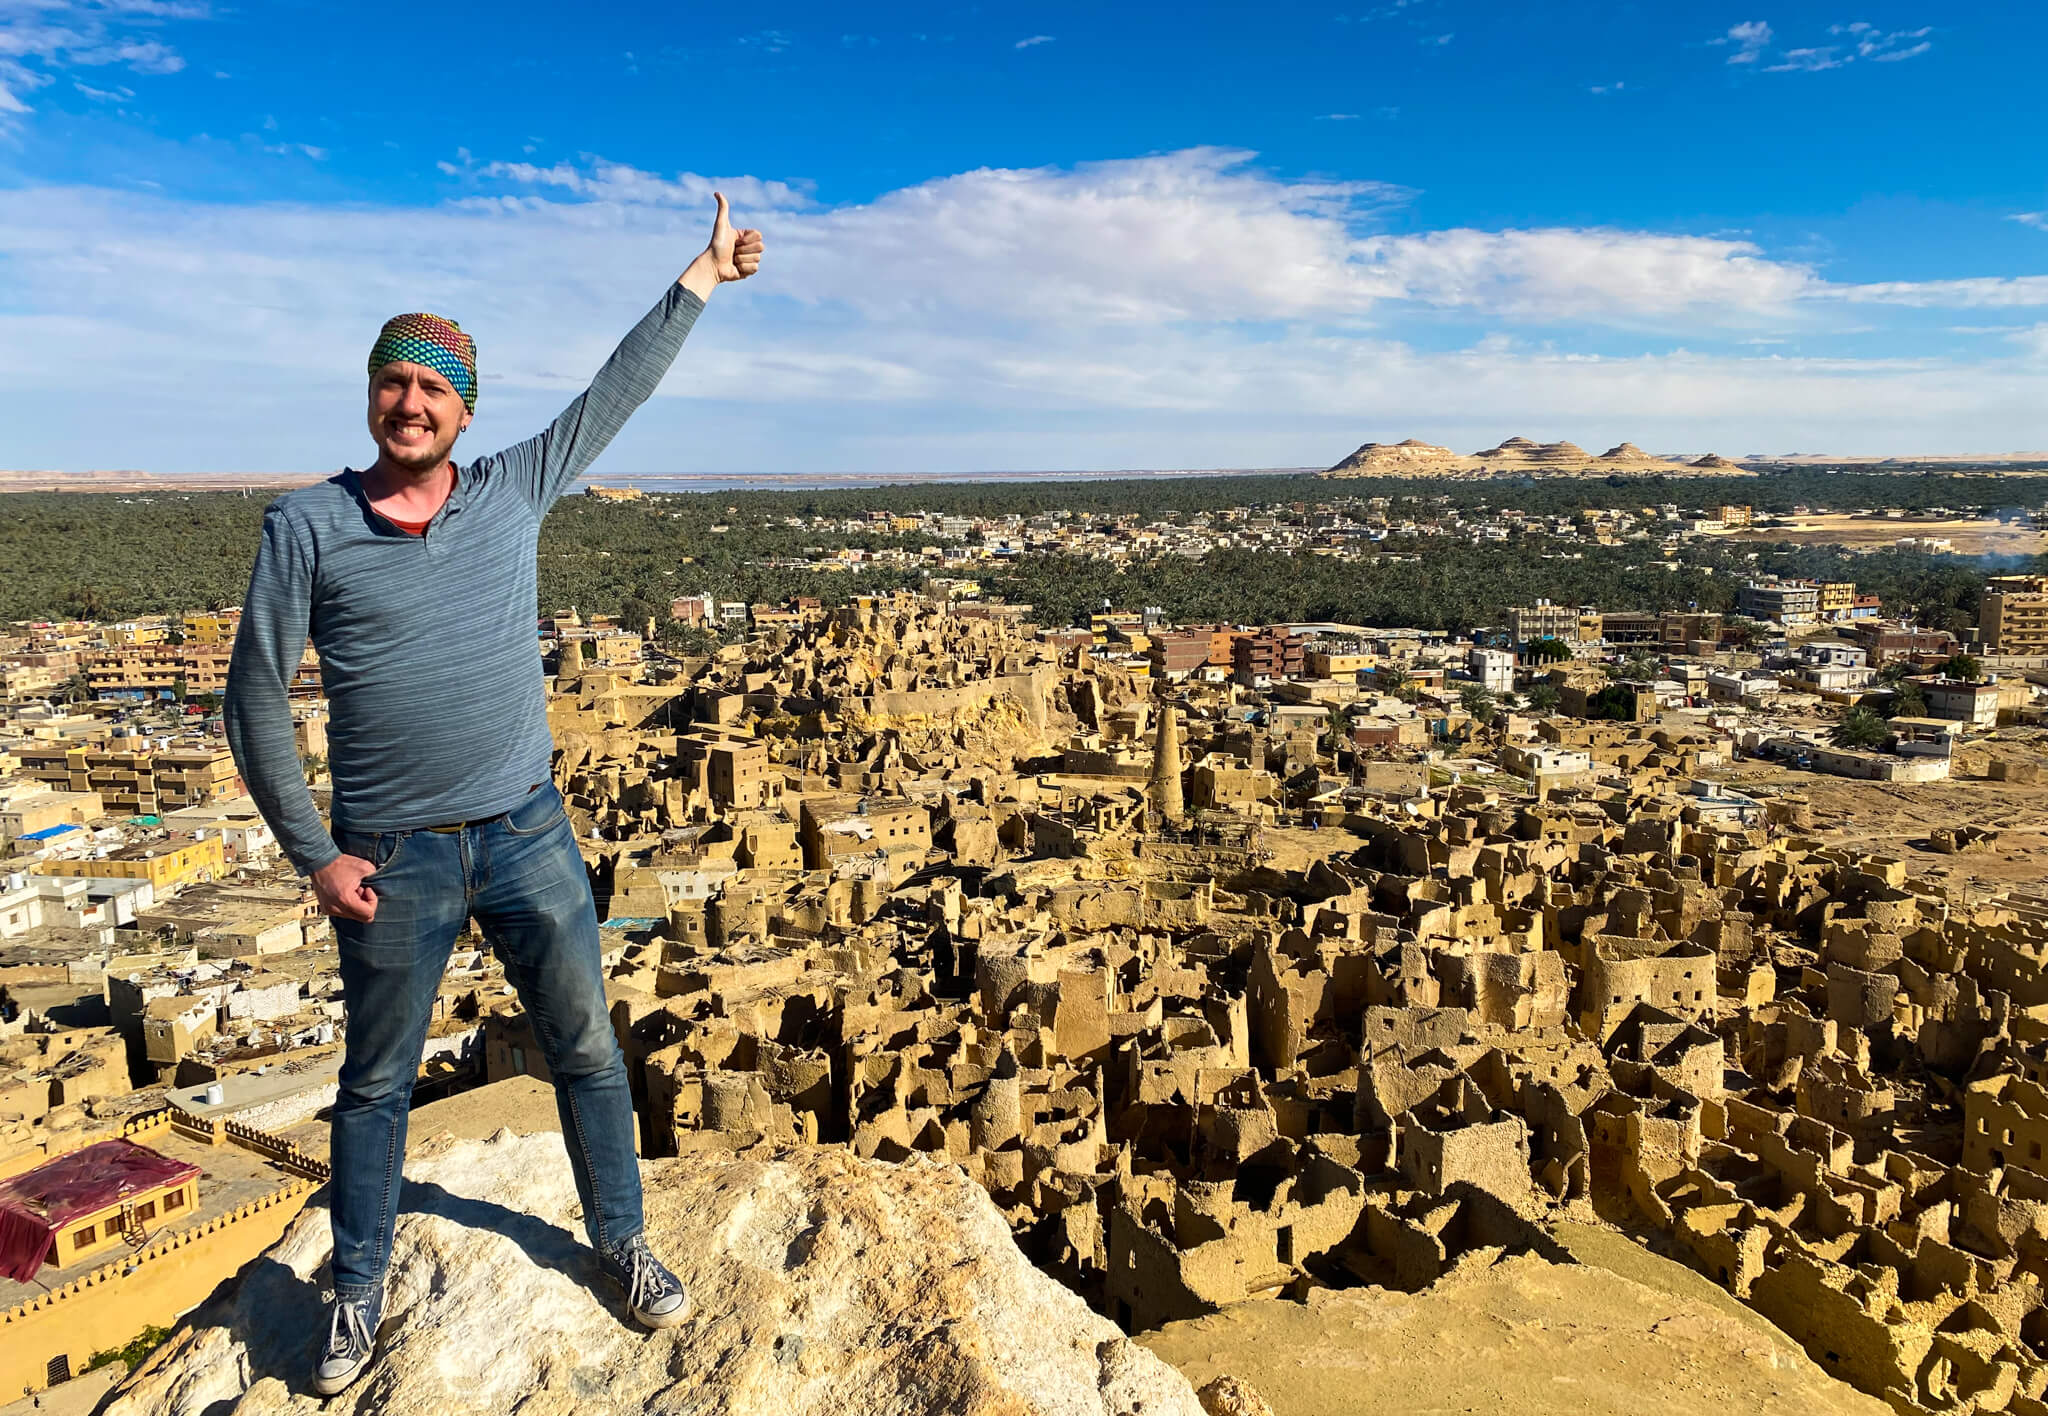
{"x":427,"y":643}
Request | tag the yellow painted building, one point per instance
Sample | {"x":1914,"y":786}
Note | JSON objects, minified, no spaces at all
{"x":134,"y":634}
{"x":1325,"y":663}
{"x":165,"y":864}
{"x":212,"y":627}
{"x":187,"y":1247}
{"x":133,"y":780}
{"x":2013,"y":614}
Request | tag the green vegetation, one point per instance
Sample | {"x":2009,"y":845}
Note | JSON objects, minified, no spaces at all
{"x":1616,"y":702}
{"x":1341,"y":722}
{"x":1905,"y":699}
{"x":1638,"y":666}
{"x":1542,"y":696}
{"x":1862,"y":729}
{"x":146,"y":1342}
{"x":114,"y":555}
{"x":1479,"y":703}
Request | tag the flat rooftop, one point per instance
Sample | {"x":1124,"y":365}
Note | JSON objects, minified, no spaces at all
{"x":228,"y":1176}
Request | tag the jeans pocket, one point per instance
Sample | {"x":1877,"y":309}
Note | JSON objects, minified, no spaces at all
{"x":389,"y":845}
{"x":541,"y":811}
{"x":382,"y":851}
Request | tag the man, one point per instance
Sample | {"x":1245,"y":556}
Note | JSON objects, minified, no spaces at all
{"x":416,"y":581}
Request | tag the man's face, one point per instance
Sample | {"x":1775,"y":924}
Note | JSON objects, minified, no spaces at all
{"x":415,"y":415}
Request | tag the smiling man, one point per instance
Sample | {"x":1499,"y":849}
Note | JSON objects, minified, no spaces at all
{"x":415,"y":579}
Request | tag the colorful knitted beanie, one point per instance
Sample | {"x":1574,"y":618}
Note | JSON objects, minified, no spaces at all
{"x":434,"y":343}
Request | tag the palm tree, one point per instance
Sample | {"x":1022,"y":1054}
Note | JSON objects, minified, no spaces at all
{"x":1906,"y":700}
{"x":1639,"y":666}
{"x":315,"y":763}
{"x":1542,"y":696}
{"x":1340,"y":727}
{"x":1479,"y":703}
{"x":1861,"y":729}
{"x":1547,"y":650}
{"x":1751,"y":634}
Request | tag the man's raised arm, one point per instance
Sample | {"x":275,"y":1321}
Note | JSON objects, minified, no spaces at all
{"x":544,"y":465}
{"x":258,"y":710}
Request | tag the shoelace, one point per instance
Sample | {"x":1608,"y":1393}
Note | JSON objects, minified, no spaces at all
{"x":349,"y":1335}
{"x":647,"y":1282}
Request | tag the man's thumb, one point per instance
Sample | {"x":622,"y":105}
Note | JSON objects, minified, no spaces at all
{"x":722,"y":219}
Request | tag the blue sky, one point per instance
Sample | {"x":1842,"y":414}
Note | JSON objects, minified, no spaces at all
{"x":1032,"y":235}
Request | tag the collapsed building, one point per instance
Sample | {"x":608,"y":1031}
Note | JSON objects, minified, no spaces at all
{"x":908,"y":883}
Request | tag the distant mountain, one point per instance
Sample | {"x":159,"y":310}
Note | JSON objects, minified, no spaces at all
{"x":1521,"y":457}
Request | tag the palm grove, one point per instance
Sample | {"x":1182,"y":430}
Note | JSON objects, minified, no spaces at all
{"x":104,"y":556}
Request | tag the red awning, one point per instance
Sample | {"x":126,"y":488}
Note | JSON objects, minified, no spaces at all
{"x":38,"y":1204}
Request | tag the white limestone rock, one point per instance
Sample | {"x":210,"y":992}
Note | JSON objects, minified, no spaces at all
{"x":823,"y":1284}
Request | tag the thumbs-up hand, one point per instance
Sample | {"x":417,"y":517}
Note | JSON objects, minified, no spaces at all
{"x":735,"y":254}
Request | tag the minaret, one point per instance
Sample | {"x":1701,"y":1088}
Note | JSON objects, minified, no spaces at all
{"x":1165,"y":793}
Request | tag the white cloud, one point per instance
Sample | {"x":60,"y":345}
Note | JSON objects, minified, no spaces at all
{"x":1616,"y":87}
{"x":2036,"y":219}
{"x":1338,"y":118}
{"x":1628,"y":278}
{"x":1183,"y":309}
{"x":1884,"y":47}
{"x":42,"y":38}
{"x":1810,"y":61}
{"x":599,"y":180}
{"x":1751,"y":43}
{"x":1436,"y":41}
{"x":1977,"y":293}
{"x":1034,"y":40}
{"x":1748,"y":40}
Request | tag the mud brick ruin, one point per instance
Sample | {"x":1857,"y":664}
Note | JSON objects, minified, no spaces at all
{"x":1217,"y":1003}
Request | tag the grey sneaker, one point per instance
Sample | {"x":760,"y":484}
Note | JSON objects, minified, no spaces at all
{"x":655,"y":1295}
{"x":351,"y":1341}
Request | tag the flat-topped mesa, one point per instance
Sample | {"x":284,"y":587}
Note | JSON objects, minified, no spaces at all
{"x":1522,"y":450}
{"x":1399,"y":459}
{"x":1522,"y":457}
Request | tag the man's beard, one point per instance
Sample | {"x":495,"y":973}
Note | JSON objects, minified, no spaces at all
{"x":421,"y":459}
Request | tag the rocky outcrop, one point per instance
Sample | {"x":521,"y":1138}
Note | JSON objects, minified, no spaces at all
{"x":1520,"y":457}
{"x":824,"y":1285}
{"x":1413,"y":458}
{"x":1522,"y":452}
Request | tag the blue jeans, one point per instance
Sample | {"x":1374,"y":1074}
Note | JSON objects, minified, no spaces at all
{"x":523,"y":880}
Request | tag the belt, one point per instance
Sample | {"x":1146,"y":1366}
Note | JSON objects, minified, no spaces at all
{"x":449,"y":828}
